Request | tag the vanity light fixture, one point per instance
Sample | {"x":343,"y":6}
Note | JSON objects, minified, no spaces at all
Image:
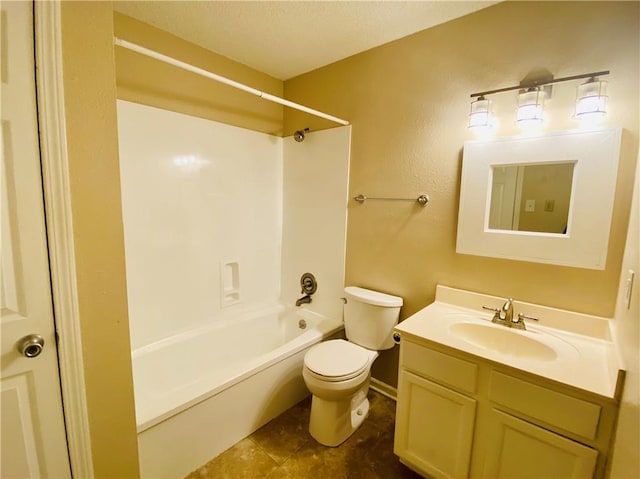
{"x":480,"y":114}
{"x":591,"y":100}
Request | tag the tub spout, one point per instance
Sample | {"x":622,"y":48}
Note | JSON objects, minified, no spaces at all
{"x":304,"y":300}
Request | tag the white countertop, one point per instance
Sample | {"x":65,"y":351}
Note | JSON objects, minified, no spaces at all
{"x":586,"y":357}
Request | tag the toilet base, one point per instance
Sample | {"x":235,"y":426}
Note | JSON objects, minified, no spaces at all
{"x":332,"y":422}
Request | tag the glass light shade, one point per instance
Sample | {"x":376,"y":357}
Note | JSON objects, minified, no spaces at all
{"x":591,"y":98}
{"x":480,"y":114}
{"x":530,"y":106}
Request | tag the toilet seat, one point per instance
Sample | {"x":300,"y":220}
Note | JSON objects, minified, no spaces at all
{"x":337,"y":360}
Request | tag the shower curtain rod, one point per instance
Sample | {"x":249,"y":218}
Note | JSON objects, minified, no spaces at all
{"x":226,"y":81}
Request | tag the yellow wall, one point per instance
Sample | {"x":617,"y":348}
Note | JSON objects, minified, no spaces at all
{"x":408,"y":102}
{"x":143,"y":80}
{"x":92,"y":142}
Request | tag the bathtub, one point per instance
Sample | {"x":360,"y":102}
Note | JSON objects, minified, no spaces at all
{"x":201,"y":391}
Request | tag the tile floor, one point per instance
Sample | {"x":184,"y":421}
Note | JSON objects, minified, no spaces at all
{"x":283,"y":449}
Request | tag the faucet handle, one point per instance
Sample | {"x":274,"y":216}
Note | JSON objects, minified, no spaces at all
{"x":308,"y":284}
{"x":489,"y":308}
{"x":522,"y":316}
{"x":496,"y":313}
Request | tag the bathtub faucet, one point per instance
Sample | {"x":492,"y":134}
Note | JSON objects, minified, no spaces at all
{"x":306,"y":299}
{"x":308,"y":285}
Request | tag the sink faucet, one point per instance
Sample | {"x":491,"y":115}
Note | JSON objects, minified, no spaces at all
{"x":504,"y":316}
{"x":306,"y":299}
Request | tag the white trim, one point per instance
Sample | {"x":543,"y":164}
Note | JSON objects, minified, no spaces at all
{"x":53,"y":147}
{"x":384,"y":389}
{"x":227,"y":81}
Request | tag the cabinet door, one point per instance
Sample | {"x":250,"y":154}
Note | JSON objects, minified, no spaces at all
{"x":518,"y":449}
{"x":434,"y":427}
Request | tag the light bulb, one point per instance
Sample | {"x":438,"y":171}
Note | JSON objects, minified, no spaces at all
{"x":480,"y":114}
{"x":591,"y":99}
{"x":530,"y":106}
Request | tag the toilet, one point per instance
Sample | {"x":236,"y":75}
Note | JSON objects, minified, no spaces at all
{"x":337,"y":372}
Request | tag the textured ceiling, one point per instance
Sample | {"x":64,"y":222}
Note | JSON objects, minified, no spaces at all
{"x":288,"y":38}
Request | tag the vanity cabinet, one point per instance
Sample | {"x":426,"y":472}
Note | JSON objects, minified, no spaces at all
{"x":461,"y":416}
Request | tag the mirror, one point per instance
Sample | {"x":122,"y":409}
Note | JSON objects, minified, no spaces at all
{"x":546,"y":198}
{"x":532,"y":198}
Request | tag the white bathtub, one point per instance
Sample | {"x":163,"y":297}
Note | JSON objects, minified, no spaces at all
{"x":199,"y":392}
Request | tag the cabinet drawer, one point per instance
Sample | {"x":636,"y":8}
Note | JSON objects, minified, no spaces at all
{"x":442,"y":367}
{"x":556,"y":409}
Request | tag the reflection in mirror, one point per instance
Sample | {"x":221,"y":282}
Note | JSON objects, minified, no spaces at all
{"x":532,"y":197}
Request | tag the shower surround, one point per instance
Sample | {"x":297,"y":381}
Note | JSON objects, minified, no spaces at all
{"x":220,"y":222}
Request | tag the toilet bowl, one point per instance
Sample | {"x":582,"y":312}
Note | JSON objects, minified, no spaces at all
{"x":337,"y":372}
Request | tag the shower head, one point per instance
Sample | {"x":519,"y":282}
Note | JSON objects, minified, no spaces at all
{"x":299,"y":135}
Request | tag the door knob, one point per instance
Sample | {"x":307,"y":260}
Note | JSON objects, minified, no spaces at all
{"x":30,"y":346}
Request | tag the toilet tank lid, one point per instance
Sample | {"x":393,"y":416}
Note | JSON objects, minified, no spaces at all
{"x":375,"y":298}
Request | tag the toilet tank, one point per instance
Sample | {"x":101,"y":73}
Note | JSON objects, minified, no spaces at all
{"x":369,"y":317}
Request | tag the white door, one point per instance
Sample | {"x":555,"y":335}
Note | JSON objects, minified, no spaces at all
{"x":33,"y":435}
{"x":505,"y":203}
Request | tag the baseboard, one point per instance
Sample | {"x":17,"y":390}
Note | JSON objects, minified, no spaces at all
{"x":384,"y":389}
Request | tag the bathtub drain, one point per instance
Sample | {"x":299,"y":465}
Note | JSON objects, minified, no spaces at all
{"x":302,"y":324}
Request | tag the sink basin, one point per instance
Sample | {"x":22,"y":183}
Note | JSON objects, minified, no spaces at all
{"x":521,"y":344}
